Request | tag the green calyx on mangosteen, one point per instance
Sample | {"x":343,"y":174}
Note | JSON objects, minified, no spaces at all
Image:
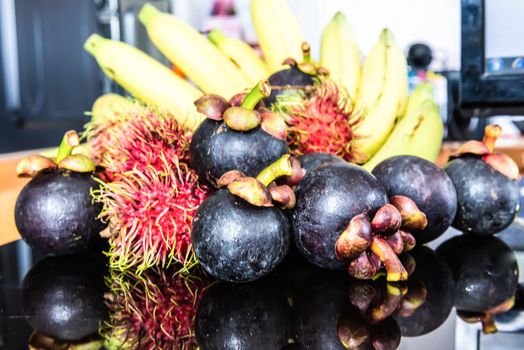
{"x":487,"y":186}
{"x":54,"y":212}
{"x":236,"y":137}
{"x":238,"y":235}
{"x":427,"y":185}
{"x":342,"y":218}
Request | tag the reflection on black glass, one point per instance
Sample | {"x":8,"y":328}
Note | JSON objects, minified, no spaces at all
{"x":62,"y":299}
{"x":155,"y":310}
{"x":486,"y":277}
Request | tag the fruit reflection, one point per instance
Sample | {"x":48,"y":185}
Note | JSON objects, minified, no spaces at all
{"x":153,"y":311}
{"x":486,"y":277}
{"x":62,"y":299}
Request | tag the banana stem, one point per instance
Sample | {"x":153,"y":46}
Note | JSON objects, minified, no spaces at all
{"x":216,"y":37}
{"x":282,"y":167}
{"x":70,"y":141}
{"x":261,"y":90}
{"x":92,"y":43}
{"x":147,"y":14}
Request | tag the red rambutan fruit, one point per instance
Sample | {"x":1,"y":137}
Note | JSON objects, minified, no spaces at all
{"x":154,"y":311}
{"x":149,"y":193}
{"x":149,"y":213}
{"x":322,"y":119}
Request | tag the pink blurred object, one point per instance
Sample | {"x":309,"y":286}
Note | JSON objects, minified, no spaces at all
{"x":223,"y":16}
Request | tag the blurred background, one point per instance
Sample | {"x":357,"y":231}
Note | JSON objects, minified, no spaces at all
{"x":48,"y":82}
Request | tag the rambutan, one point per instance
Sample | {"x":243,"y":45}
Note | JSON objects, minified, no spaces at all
{"x":154,"y":311}
{"x":149,"y":213}
{"x":321,"y":119}
{"x":149,"y":193}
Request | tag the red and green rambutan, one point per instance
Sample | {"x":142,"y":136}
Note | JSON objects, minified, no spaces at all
{"x":149,"y":193}
{"x":154,"y":311}
{"x":321,"y":119}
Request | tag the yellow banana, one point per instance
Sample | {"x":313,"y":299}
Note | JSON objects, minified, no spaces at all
{"x":339,"y":53}
{"x":422,"y":92}
{"x":278,"y":32}
{"x":245,"y":58}
{"x":418,"y":134}
{"x":190,"y":51}
{"x":146,"y":79}
{"x":110,"y":105}
{"x":383,"y":94}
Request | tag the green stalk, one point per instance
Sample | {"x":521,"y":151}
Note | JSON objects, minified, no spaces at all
{"x":282,"y":167}
{"x":260,"y":91}
{"x":70,"y":141}
{"x":306,"y":52}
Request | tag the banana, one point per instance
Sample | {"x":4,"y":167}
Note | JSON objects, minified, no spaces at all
{"x":339,"y":53}
{"x":243,"y":56}
{"x":190,"y":51}
{"x":108,"y":106}
{"x":422,"y":92}
{"x":382,"y":95}
{"x":278,"y":32}
{"x":418,"y":134}
{"x":146,"y":79}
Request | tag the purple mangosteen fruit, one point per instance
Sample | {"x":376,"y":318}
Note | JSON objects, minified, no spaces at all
{"x":427,"y":185}
{"x":487,"y":186}
{"x":235,"y":137}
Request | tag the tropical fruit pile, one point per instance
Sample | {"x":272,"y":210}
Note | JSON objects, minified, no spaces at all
{"x":249,"y":156}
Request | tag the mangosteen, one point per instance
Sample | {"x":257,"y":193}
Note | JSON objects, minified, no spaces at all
{"x":238,"y":234}
{"x":327,"y":199}
{"x":55,"y":212}
{"x":432,"y":284}
{"x":297,"y":77}
{"x":249,"y":316}
{"x":238,"y":140}
{"x":63,"y":297}
{"x":487,"y":186}
{"x":485,"y":273}
{"x":427,"y":185}
{"x":317,"y":308}
{"x":314,"y":160}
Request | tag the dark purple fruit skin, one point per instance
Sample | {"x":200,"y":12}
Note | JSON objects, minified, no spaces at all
{"x":484,"y":269}
{"x":427,"y":185}
{"x":327,"y":198}
{"x":249,"y":316}
{"x":54,"y":212}
{"x":216,"y":149}
{"x":286,"y":81}
{"x":433,"y":271}
{"x":236,"y":241}
{"x":312,"y":161}
{"x":488,"y":201}
{"x":317,"y":309}
{"x":63,"y":297}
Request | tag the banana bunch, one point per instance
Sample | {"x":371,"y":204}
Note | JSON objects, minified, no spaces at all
{"x":146,"y":79}
{"x":190,"y":51}
{"x":382,"y":94}
{"x":243,"y":56}
{"x":278,"y":32}
{"x":339,"y":53}
{"x":419,"y":133}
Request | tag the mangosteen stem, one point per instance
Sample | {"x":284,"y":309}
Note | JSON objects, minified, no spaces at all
{"x":306,"y":52}
{"x":282,"y":167}
{"x":491,"y":134}
{"x":70,"y":141}
{"x":488,"y":324}
{"x":260,"y":91}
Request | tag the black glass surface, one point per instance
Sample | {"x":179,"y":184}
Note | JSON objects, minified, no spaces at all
{"x":298,"y":306}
